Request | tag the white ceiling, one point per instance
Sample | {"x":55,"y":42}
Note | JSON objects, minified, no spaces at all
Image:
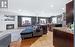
{"x":38,"y":7}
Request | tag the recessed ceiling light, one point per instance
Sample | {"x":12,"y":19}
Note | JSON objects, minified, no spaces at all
{"x":51,"y":6}
{"x":19,"y":10}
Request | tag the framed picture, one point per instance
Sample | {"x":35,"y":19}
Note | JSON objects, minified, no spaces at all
{"x":9,"y":18}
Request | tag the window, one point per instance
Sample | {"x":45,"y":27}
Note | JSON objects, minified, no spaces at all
{"x":42,"y":21}
{"x":3,"y":3}
{"x":54,"y":20}
{"x":26,"y":21}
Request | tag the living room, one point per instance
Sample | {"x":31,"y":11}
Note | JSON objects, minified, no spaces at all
{"x":36,"y":23}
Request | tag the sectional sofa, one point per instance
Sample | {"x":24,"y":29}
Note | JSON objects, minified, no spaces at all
{"x":31,"y":31}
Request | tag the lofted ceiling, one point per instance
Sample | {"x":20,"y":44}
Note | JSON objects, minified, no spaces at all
{"x":38,"y":7}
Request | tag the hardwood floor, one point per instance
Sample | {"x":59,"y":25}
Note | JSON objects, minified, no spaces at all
{"x":43,"y":41}
{"x":46,"y":40}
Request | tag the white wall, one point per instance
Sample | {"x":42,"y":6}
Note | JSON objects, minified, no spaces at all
{"x":3,"y":23}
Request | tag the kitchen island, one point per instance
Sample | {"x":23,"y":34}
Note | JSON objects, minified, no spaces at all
{"x":65,"y":35}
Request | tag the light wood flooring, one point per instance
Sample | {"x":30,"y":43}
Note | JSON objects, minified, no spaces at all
{"x":43,"y":41}
{"x":46,"y":40}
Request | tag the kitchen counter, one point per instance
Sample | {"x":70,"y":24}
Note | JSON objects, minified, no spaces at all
{"x":63,"y":32}
{"x":5,"y":39}
{"x":2,"y":33}
{"x":64,"y":29}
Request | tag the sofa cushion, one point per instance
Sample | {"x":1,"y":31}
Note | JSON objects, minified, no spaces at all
{"x":28,"y":29}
